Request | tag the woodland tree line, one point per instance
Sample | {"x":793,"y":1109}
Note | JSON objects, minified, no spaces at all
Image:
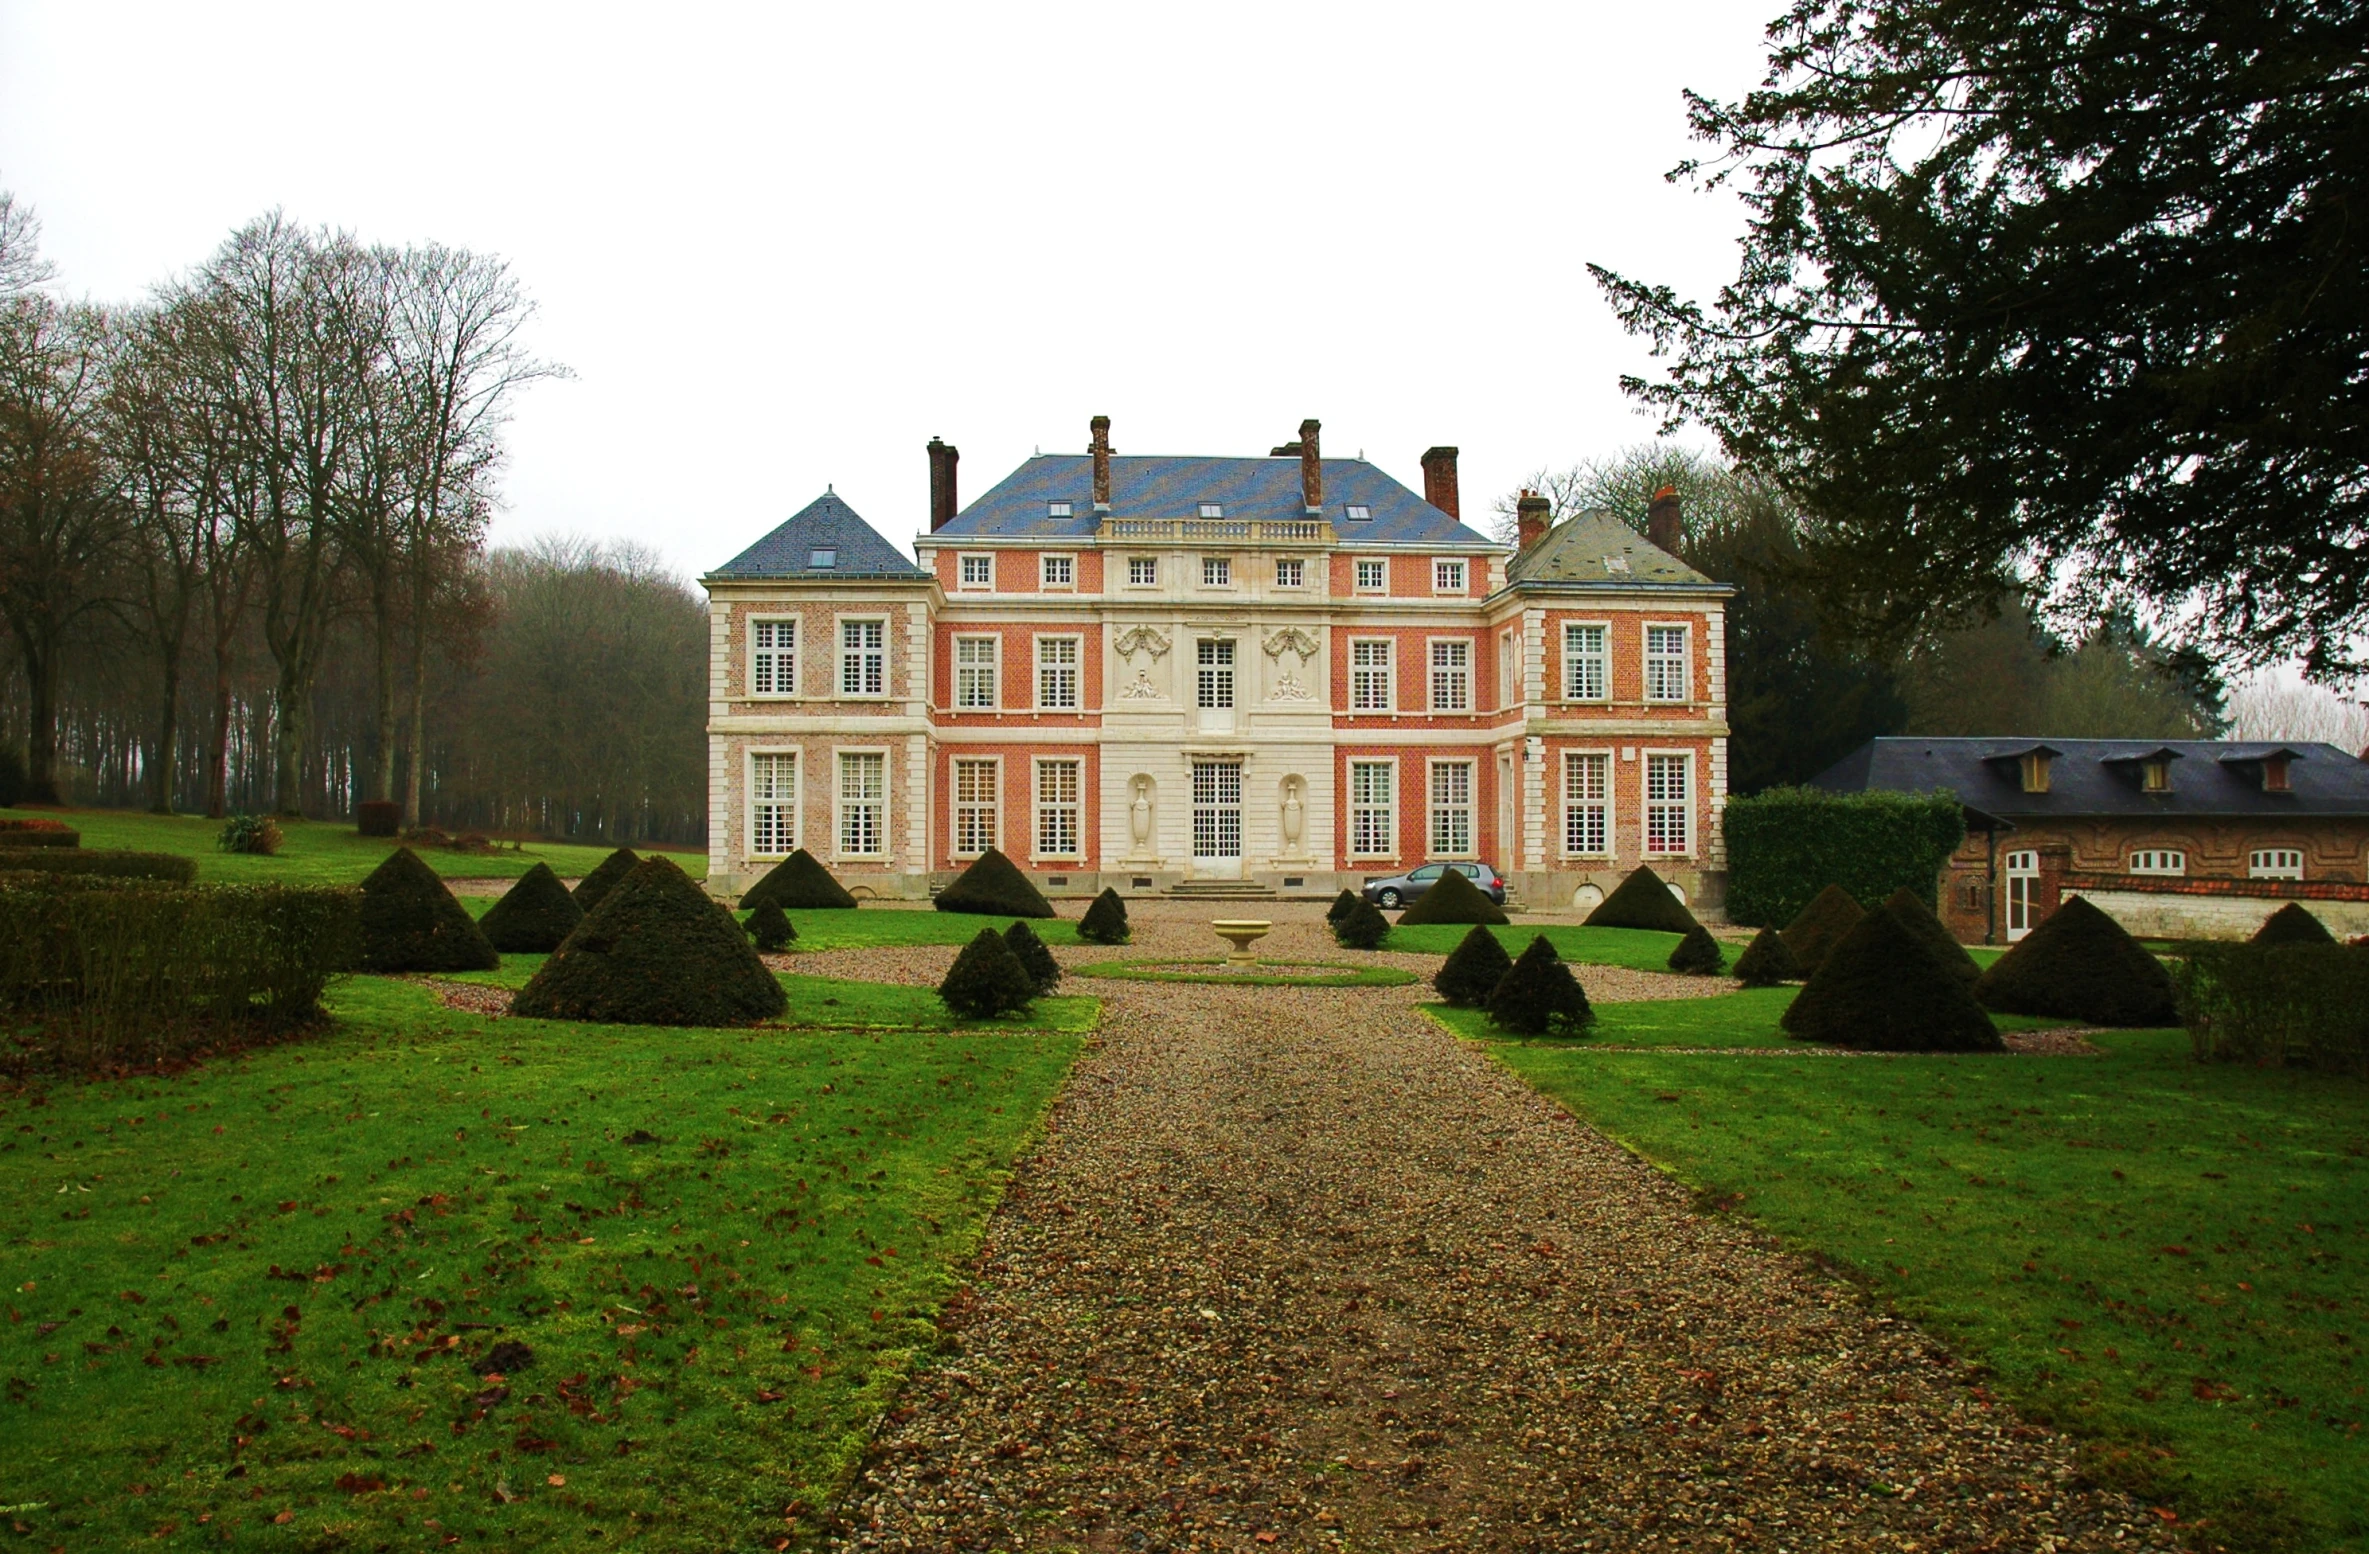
{"x":243,"y":562}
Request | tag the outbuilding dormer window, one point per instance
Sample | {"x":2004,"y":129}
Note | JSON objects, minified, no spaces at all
{"x":2034,"y":767}
{"x":2155,"y":777}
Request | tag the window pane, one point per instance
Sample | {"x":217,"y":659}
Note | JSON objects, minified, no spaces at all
{"x":1586,"y":670}
{"x":1451,"y":676}
{"x":1665,"y":663}
{"x":863,"y":791}
{"x":1214,"y":678}
{"x":773,"y":658}
{"x":773,"y":786}
{"x":975,"y":671}
{"x":1057,"y":808}
{"x":1057,"y":672}
{"x":974,"y":807}
{"x":1587,"y":796}
{"x":863,"y":658}
{"x":1451,"y":808}
{"x":1371,"y":824}
{"x":1369,"y":676}
{"x":1666,"y":809}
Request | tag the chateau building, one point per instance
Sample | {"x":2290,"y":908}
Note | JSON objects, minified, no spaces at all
{"x":1284,"y":673}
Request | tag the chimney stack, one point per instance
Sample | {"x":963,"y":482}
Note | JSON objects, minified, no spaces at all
{"x":1311,"y":469}
{"x":1665,"y":528}
{"x":1531,"y":520}
{"x":942,"y":503}
{"x":1439,"y":480}
{"x":1100,"y":448}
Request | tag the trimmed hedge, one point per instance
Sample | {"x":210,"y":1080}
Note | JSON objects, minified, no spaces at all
{"x":1766,"y":962}
{"x":2080,"y":964}
{"x":1917,"y":916}
{"x":38,"y":833}
{"x":1538,"y":996}
{"x":1472,"y":970}
{"x":2293,"y":923}
{"x":1787,"y":844}
{"x":378,"y":817}
{"x":1342,"y":904}
{"x":1643,"y":900}
{"x":2290,"y":1005}
{"x":1362,"y":927}
{"x":1810,"y":937}
{"x":164,"y":868}
{"x":1882,"y":989}
{"x":1455,"y":899}
{"x":594,"y":887}
{"x":534,"y":916}
{"x":410,"y":921}
{"x":799,"y":883}
{"x":656,"y":951}
{"x":1034,"y":958}
{"x":1105,"y":921}
{"x":993,"y":886}
{"x":769,"y":929}
{"x":1698,"y":954}
{"x":101,"y":973}
{"x":986,"y":979}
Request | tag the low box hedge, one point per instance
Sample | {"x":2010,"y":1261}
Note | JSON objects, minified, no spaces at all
{"x":38,"y":833}
{"x":1786,"y":845}
{"x":107,"y":863}
{"x":2283,"y":1005}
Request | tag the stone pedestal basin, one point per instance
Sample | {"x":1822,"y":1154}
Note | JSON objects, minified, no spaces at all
{"x":1242,"y":933}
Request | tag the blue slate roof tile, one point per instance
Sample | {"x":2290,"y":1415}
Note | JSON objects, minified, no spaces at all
{"x":826,"y":525}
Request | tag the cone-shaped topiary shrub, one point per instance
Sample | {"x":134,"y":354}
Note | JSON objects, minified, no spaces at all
{"x":993,"y":886}
{"x":1034,"y":958}
{"x":533,"y":916}
{"x":656,"y":951}
{"x":1362,"y":927}
{"x":1455,"y":899}
{"x":799,"y":883}
{"x":2292,"y":924}
{"x":1883,"y":989}
{"x":1473,"y":969}
{"x":410,"y":922}
{"x":1538,"y":995}
{"x":604,"y":877}
{"x":986,"y":979}
{"x":1820,"y":927}
{"x":1341,"y":906}
{"x":1918,"y":918}
{"x":1643,"y":900}
{"x":1766,"y":962}
{"x":2080,"y":964}
{"x":769,"y":929}
{"x":1105,"y":921}
{"x":1698,"y":954}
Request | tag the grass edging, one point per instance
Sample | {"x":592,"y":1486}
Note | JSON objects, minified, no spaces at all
{"x":1284,"y":974}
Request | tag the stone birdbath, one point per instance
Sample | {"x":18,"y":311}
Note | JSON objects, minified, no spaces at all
{"x":1242,"y":933}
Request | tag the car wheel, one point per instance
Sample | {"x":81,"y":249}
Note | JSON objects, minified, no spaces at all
{"x":1388,"y":900}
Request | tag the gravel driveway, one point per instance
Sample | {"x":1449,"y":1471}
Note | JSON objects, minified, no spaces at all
{"x":1295,"y":1269}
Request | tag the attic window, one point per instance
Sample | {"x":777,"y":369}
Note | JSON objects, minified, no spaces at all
{"x":2034,"y":765}
{"x":822,"y":560}
{"x":1213,"y":509}
{"x":1056,"y":509}
{"x":1359,"y":513}
{"x":2274,"y":773}
{"x":2155,"y":777}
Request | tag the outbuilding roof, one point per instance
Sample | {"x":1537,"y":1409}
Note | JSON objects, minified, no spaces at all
{"x":824,"y":539}
{"x":2104,"y":777}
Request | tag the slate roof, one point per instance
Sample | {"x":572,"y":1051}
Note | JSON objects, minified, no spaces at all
{"x":1162,"y":486}
{"x":2100,"y":777}
{"x":825,"y":524}
{"x":1597,"y":549}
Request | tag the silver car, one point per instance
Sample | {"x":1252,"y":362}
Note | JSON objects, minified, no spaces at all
{"x":1400,"y":889}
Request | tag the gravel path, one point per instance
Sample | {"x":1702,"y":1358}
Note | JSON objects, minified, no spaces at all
{"x":1295,"y":1269}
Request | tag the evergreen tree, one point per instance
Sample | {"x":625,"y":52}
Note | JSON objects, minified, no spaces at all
{"x":1538,"y":995}
{"x":1034,"y":958}
{"x":1473,"y":969}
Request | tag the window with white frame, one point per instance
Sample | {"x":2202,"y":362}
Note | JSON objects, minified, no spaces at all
{"x":773,"y":803}
{"x":1057,"y":571}
{"x":1505,"y":669}
{"x":1373,"y":575}
{"x":2159,"y":860}
{"x":1290,"y":572}
{"x":1057,"y":510}
{"x":978,"y":571}
{"x":1587,"y":803}
{"x":1373,"y":823}
{"x":1451,"y":809}
{"x":2275,"y":863}
{"x":1451,"y":676}
{"x":773,"y":658}
{"x":1587,"y":663}
{"x":1142,"y":571}
{"x":1369,"y":675}
{"x":1665,"y":663}
{"x":1669,"y":810}
{"x":976,"y":662}
{"x":1057,"y":784}
{"x":863,"y":803}
{"x":1213,"y":509}
{"x":1057,"y":673}
{"x":1447,"y":576}
{"x":974,"y":807}
{"x":1213,"y":674}
{"x":863,"y":658}
{"x":1217,"y":572}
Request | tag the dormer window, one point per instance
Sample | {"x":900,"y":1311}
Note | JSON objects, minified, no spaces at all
{"x":822,"y":560}
{"x":2274,"y":773}
{"x":1056,"y":509}
{"x":1359,"y":513}
{"x":2155,"y":777}
{"x":1213,"y":509}
{"x":2034,"y":768}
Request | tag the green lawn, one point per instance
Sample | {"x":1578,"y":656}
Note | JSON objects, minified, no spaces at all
{"x":836,"y":1004}
{"x":318,"y":852}
{"x":244,"y":1303}
{"x":1746,"y":1017}
{"x":860,"y":927}
{"x":1637,"y":948}
{"x":2165,"y":1257}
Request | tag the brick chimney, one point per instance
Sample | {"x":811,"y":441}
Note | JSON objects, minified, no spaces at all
{"x":1439,"y":480}
{"x":1665,"y":528}
{"x":1311,"y":469}
{"x":943,"y":457}
{"x":1100,"y":448}
{"x":1531,"y":520}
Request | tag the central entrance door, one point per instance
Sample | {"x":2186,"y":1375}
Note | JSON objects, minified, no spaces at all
{"x":1217,"y":820}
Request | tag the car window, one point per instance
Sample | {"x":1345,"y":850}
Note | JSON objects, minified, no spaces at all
{"x":1468,"y":870}
{"x":1429,"y":871}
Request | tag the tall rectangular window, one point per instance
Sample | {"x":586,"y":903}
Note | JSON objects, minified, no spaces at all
{"x":1451,"y":676}
{"x":974,"y":807}
{"x":1451,"y":809}
{"x":863,"y":803}
{"x":1587,"y":804}
{"x":1373,"y":821}
{"x":1587,"y":663}
{"x":863,"y":658}
{"x":1057,"y":673}
{"x":1372,"y":576}
{"x":773,"y":658}
{"x":978,"y":571}
{"x":1214,"y":674}
{"x":1665,"y":663}
{"x":1369,"y":676}
{"x":773,"y":803}
{"x":1505,"y":669}
{"x":975,"y":665}
{"x":1057,"y":808}
{"x":1668,"y":810}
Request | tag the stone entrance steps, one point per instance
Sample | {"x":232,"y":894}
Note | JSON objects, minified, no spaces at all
{"x":1221,"y":890}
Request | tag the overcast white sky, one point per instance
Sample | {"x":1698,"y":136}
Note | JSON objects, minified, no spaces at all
{"x":785,"y":246}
